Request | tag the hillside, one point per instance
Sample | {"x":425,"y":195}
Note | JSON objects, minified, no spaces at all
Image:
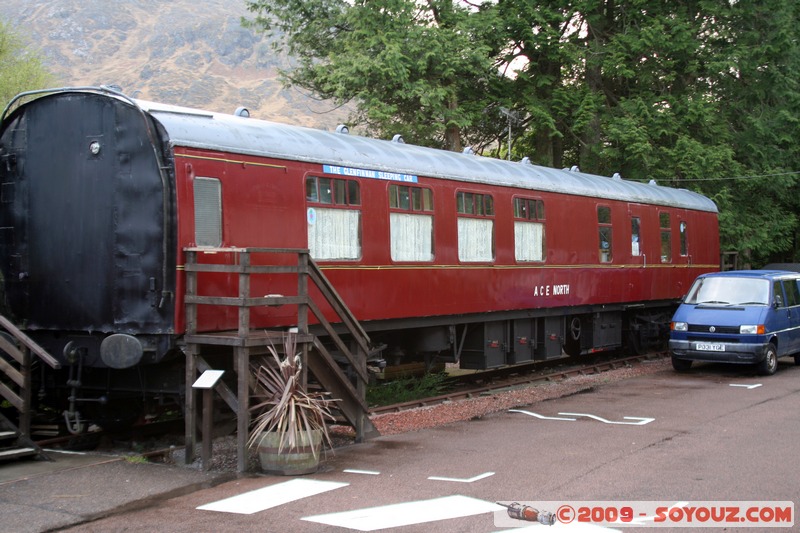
{"x":181,"y":52}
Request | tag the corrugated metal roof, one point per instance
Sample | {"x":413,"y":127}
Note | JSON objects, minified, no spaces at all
{"x":230,"y":133}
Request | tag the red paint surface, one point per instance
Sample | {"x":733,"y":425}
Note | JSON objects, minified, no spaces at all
{"x":266,"y":207}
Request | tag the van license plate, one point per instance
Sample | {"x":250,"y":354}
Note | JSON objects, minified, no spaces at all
{"x":703,"y":347}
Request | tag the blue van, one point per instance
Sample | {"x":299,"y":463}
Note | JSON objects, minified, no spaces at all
{"x":739,"y":316}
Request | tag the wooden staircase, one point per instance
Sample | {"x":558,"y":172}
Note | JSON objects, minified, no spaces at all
{"x":14,"y":445}
{"x":15,"y":387}
{"x":247,"y":341}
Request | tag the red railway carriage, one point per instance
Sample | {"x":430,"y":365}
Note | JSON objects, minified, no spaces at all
{"x":457,"y":256}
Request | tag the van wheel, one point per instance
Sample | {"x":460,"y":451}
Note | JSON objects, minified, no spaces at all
{"x":797,"y":359}
{"x":769,"y":365}
{"x":681,"y":365}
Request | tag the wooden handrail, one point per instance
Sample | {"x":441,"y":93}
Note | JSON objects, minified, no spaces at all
{"x":313,"y":271}
{"x":29,"y":343}
{"x":21,"y":355}
{"x":333,"y":297}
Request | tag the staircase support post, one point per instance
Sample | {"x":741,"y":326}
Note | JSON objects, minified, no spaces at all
{"x":243,"y":416}
{"x":25,"y":415}
{"x":302,"y":312}
{"x":190,"y":415}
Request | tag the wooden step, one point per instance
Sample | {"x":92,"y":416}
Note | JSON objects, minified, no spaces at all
{"x":45,"y":430}
{"x":17,"y":453}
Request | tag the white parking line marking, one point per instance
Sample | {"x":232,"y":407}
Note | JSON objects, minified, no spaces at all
{"x":541,"y":417}
{"x":470,"y":480}
{"x":368,"y":472}
{"x":745,"y":386}
{"x":272,"y":496}
{"x":640,"y":420}
{"x":404,"y":514}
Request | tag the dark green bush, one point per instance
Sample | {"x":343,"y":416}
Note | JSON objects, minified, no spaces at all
{"x":408,"y":389}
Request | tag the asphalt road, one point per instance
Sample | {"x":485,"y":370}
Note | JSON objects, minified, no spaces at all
{"x":715,"y":434}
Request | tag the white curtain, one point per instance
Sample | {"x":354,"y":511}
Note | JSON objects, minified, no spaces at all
{"x":411,"y":236}
{"x":529,"y":241}
{"x":475,"y":239}
{"x":335,"y":234}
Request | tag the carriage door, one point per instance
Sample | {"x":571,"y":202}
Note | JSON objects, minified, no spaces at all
{"x":636,"y":238}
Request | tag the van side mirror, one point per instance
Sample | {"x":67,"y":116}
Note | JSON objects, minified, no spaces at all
{"x":778,"y":301}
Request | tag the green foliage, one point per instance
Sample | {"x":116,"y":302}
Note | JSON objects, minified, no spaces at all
{"x":408,"y":389}
{"x":699,"y":94}
{"x":409,"y":68}
{"x":20,"y":69}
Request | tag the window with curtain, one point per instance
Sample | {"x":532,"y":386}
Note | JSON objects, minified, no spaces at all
{"x":529,"y":243}
{"x":334,"y":219}
{"x":476,"y":230}
{"x":410,"y":223}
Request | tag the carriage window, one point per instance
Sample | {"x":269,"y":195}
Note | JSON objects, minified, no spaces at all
{"x":411,"y":223}
{"x":684,"y":249}
{"x":468,"y":203}
{"x":475,"y":227}
{"x":635,"y":237}
{"x":666,"y":238}
{"x":605,"y":233}
{"x":334,"y":219}
{"x":333,"y":191}
{"x":207,"y":212}
{"x":529,"y":243}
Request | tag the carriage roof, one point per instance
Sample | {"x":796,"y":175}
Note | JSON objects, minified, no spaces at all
{"x":236,"y":134}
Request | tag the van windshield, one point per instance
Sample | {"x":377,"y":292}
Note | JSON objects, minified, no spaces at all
{"x":729,"y":291}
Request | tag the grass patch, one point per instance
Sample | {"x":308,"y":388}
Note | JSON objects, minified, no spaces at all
{"x":408,"y":389}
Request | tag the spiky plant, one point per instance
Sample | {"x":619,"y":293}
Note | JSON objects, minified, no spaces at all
{"x":283,"y":405}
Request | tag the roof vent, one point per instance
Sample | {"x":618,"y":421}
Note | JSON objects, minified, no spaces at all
{"x":574,"y":168}
{"x":398,"y":139}
{"x":112,"y":87}
{"x":468,"y":150}
{"x":526,"y":160}
{"x":242,"y":112}
{"x":616,"y":176}
{"x":344,"y":130}
{"x":652,"y":182}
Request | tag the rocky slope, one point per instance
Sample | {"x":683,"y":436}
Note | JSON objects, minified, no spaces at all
{"x":182,"y":52}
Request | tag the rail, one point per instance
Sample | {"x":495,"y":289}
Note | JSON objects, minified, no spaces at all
{"x":17,"y":369}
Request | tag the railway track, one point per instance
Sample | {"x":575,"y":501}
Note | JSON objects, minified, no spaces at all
{"x":510,"y":377}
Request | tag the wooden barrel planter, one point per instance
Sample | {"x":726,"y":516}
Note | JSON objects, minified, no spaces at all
{"x":298,"y":460}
